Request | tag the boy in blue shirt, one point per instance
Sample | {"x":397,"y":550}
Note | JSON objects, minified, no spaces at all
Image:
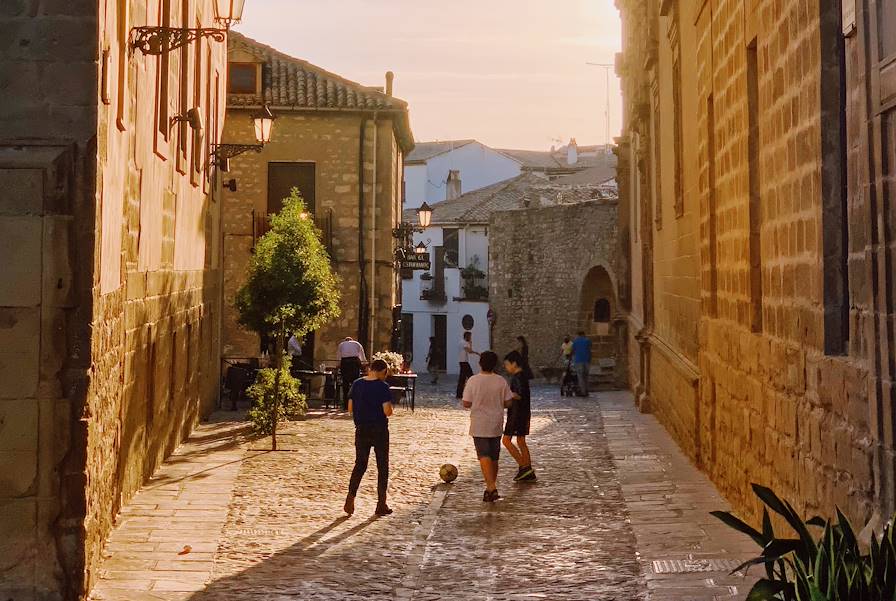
{"x":370,"y":403}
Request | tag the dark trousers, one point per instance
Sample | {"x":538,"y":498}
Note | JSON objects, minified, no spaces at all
{"x":465,"y":373}
{"x":350,"y":368}
{"x":377,"y":437}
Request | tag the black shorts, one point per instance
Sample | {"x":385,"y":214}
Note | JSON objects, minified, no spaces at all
{"x":487,"y":447}
{"x":518,"y":420}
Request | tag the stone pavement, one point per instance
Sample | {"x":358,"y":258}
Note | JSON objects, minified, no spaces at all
{"x":618,"y":513}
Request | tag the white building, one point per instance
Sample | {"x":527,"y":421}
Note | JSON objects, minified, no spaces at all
{"x":427,"y":167}
{"x":465,"y":181}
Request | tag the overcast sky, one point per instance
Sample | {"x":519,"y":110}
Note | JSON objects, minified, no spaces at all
{"x":510,"y":73}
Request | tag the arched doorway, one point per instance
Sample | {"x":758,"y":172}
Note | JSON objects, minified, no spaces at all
{"x":598,"y":301}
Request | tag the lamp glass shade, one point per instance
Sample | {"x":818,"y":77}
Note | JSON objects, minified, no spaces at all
{"x":263,"y":125}
{"x":420,"y":249}
{"x":229,"y":11}
{"x":424,"y":215}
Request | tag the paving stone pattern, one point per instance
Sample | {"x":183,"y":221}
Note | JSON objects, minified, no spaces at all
{"x":604,"y":521}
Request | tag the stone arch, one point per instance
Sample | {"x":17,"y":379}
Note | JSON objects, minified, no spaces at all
{"x":597,"y":302}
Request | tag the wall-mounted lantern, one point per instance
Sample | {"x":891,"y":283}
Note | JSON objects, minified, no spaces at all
{"x":155,"y":41}
{"x":264,"y":124}
{"x":424,"y":215}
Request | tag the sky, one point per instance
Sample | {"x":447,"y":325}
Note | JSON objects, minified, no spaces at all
{"x":509,"y":73}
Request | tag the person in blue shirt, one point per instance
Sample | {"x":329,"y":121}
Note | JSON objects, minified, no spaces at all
{"x":370,"y":403}
{"x":581,"y":361}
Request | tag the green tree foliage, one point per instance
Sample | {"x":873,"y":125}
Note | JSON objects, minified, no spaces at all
{"x":291,"y":404}
{"x":290,"y":289}
{"x":291,"y":285}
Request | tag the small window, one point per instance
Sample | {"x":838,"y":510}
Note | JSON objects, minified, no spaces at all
{"x":602,"y":311}
{"x":450,"y":241}
{"x":467,"y":322}
{"x":242,"y":78}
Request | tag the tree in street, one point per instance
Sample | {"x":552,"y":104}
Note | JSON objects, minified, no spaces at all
{"x":290,"y":289}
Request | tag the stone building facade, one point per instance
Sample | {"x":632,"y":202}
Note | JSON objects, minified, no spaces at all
{"x":342,"y":145}
{"x":756,"y":182}
{"x":109,"y":304}
{"x":550,"y":267}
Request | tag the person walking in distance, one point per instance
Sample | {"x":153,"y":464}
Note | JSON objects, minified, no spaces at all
{"x":350,"y":355}
{"x":434,"y":359}
{"x":370,"y":403}
{"x":522,"y":347}
{"x":486,"y":395}
{"x":466,"y":349}
{"x":566,"y":350}
{"x":581,"y":361}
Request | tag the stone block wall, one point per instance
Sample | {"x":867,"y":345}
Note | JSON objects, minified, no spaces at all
{"x":109,"y":238}
{"x":43,"y":369}
{"x":780,"y":385}
{"x":331,"y":142}
{"x":539,"y":260}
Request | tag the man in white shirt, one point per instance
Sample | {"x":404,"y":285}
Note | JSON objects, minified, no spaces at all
{"x":294,"y":346}
{"x":486,"y":396}
{"x":466,"y":349}
{"x":350,"y":355}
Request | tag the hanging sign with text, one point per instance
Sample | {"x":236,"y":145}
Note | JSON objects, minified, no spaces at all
{"x":415,"y":264}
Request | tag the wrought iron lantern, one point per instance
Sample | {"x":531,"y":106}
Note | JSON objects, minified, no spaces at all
{"x":155,"y":41}
{"x":264,"y":124}
{"x":228,"y":12}
{"x":424,"y":215}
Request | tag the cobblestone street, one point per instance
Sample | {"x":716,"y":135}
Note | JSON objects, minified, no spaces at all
{"x":617,"y":514}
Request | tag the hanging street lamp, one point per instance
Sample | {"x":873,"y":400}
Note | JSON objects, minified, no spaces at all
{"x":155,"y":41}
{"x":264,"y":124}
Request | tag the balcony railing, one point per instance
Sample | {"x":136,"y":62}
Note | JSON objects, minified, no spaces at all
{"x":323,"y":222}
{"x":475,"y":292}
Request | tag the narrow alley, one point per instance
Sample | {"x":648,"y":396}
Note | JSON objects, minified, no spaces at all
{"x":617,"y":513}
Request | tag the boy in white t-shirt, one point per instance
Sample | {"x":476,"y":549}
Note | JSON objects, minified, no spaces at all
{"x":486,"y":395}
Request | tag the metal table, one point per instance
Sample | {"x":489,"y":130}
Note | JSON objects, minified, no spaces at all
{"x":410,"y":385}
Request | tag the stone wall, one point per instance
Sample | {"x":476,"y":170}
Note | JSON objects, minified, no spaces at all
{"x":539,"y":260}
{"x":109,"y":225}
{"x":778,"y":384}
{"x":332,"y":142}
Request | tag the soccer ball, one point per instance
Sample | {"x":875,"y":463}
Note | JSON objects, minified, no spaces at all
{"x":448,"y":473}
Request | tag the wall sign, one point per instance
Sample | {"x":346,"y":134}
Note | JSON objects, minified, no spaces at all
{"x":415,"y":264}
{"x":849,"y":16}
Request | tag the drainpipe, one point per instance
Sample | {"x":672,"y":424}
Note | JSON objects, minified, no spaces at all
{"x":362,"y":283}
{"x":372,"y":328}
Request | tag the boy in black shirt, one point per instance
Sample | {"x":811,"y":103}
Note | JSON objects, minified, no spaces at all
{"x":518,"y":416}
{"x":370,"y":403}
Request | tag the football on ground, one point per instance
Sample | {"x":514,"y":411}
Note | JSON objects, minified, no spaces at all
{"x":448,"y":473}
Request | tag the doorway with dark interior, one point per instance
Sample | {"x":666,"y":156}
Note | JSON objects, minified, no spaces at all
{"x":440,"y":332}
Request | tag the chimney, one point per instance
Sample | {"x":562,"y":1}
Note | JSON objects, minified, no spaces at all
{"x":390,"y":77}
{"x":572,"y":152}
{"x":452,"y":186}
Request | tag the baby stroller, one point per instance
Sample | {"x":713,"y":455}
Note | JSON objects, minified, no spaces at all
{"x":569,"y":382}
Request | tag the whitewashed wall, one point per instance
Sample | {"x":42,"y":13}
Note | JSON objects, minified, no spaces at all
{"x":479,"y":166}
{"x":473,"y":240}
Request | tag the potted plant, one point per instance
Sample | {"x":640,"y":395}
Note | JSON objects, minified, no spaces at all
{"x":394,"y":362}
{"x":474,"y":281}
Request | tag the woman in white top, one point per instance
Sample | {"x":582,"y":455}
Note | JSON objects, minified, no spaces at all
{"x":466,"y":349}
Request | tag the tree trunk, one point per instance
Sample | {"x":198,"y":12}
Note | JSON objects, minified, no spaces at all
{"x":279,"y":345}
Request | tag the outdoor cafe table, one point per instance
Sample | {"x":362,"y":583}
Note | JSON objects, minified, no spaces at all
{"x":306,"y":376}
{"x":409,"y":381}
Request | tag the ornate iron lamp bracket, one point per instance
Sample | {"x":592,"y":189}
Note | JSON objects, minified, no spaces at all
{"x":155,"y":41}
{"x":222,"y":152}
